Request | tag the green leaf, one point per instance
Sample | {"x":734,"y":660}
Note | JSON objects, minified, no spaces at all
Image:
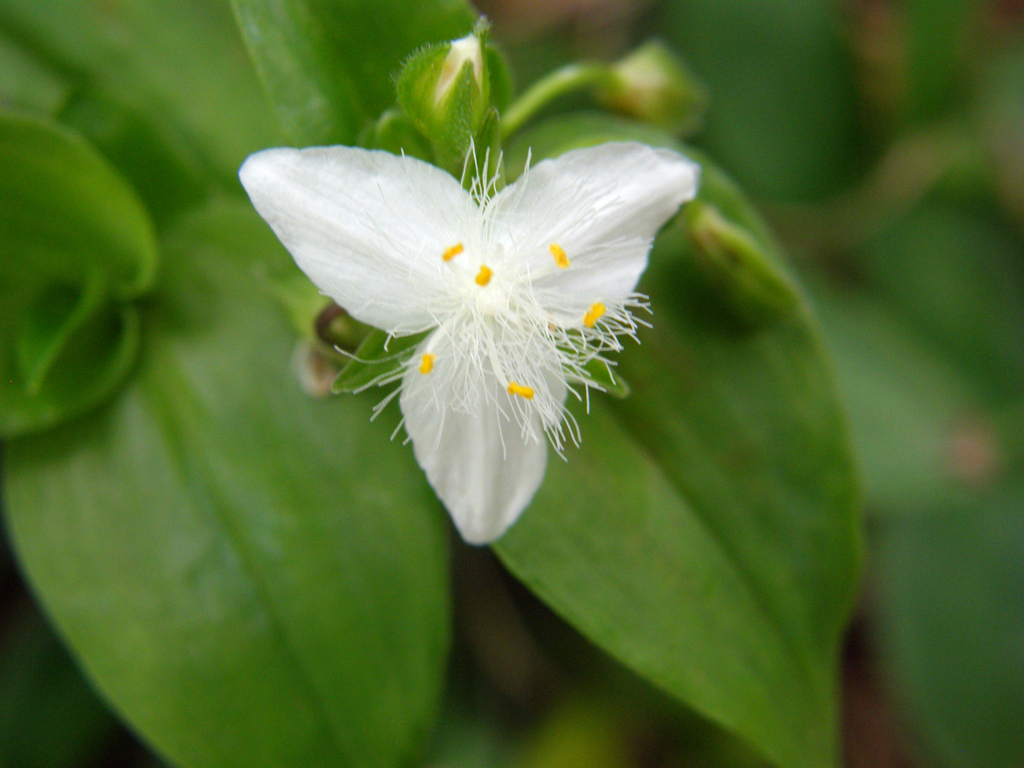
{"x":27,"y":83}
{"x":784,"y":108}
{"x":179,"y":63}
{"x":94,"y":361}
{"x":165,"y":171}
{"x":707,"y":532}
{"x":65,"y":211}
{"x":49,"y":718}
{"x":251,"y":576}
{"x":904,"y":395}
{"x":49,"y":323}
{"x":328,"y":65}
{"x":377,"y":358}
{"x":950,"y":616}
{"x":75,"y":240}
{"x":957,"y":275}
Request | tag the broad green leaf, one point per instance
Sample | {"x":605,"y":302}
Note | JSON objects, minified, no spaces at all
{"x":49,"y":718}
{"x":165,"y":171}
{"x":905,"y":397}
{"x":48,"y":324}
{"x":783,"y":109}
{"x":328,"y":65}
{"x":75,"y":240}
{"x":251,"y":576}
{"x":180,"y":63}
{"x":26,"y":83}
{"x":957,"y":275}
{"x":951,"y":619}
{"x":706,"y":533}
{"x":95,"y":359}
{"x":65,"y":211}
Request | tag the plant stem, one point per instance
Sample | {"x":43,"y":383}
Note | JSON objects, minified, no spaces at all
{"x":569,"y":78}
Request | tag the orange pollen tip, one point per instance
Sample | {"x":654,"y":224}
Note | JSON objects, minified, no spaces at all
{"x":593,"y":314}
{"x":560,"y":258}
{"x":483,"y":277}
{"x":518,"y":389}
{"x":428,"y":363}
{"x":452,"y":251}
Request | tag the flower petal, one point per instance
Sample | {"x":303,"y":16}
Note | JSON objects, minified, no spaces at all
{"x":602,"y":206}
{"x":368,"y":228}
{"x":475,"y":454}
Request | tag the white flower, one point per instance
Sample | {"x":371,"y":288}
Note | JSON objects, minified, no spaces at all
{"x":522,"y":288}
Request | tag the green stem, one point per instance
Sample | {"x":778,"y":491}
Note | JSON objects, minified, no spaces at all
{"x":572,"y":77}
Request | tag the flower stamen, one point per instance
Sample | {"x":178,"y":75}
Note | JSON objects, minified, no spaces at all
{"x":428,"y":363}
{"x":519,"y":389}
{"x":483,"y":277}
{"x":452,"y":251}
{"x":593,"y":314}
{"x":560,"y":258}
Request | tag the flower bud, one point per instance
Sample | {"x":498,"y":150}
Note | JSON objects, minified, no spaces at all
{"x":654,"y":85}
{"x":444,"y":89}
{"x":736,"y":262}
{"x":466,"y":50}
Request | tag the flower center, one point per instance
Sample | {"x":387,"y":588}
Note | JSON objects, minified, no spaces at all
{"x":489,"y":296}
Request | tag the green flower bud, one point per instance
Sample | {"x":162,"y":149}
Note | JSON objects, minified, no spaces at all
{"x":445,"y":90}
{"x":654,"y":85}
{"x":463,"y":52}
{"x":735,"y":262}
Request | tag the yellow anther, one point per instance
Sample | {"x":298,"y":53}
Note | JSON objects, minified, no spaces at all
{"x":560,"y":258}
{"x":483,"y":277}
{"x":452,"y":251}
{"x":593,"y":314}
{"x":518,"y":389}
{"x":428,"y":363}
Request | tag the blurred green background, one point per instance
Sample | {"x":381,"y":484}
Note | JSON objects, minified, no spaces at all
{"x":884,"y":143}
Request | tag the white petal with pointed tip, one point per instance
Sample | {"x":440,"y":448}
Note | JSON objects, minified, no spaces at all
{"x":602,"y":205}
{"x":367,"y":227}
{"x":476,"y":458}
